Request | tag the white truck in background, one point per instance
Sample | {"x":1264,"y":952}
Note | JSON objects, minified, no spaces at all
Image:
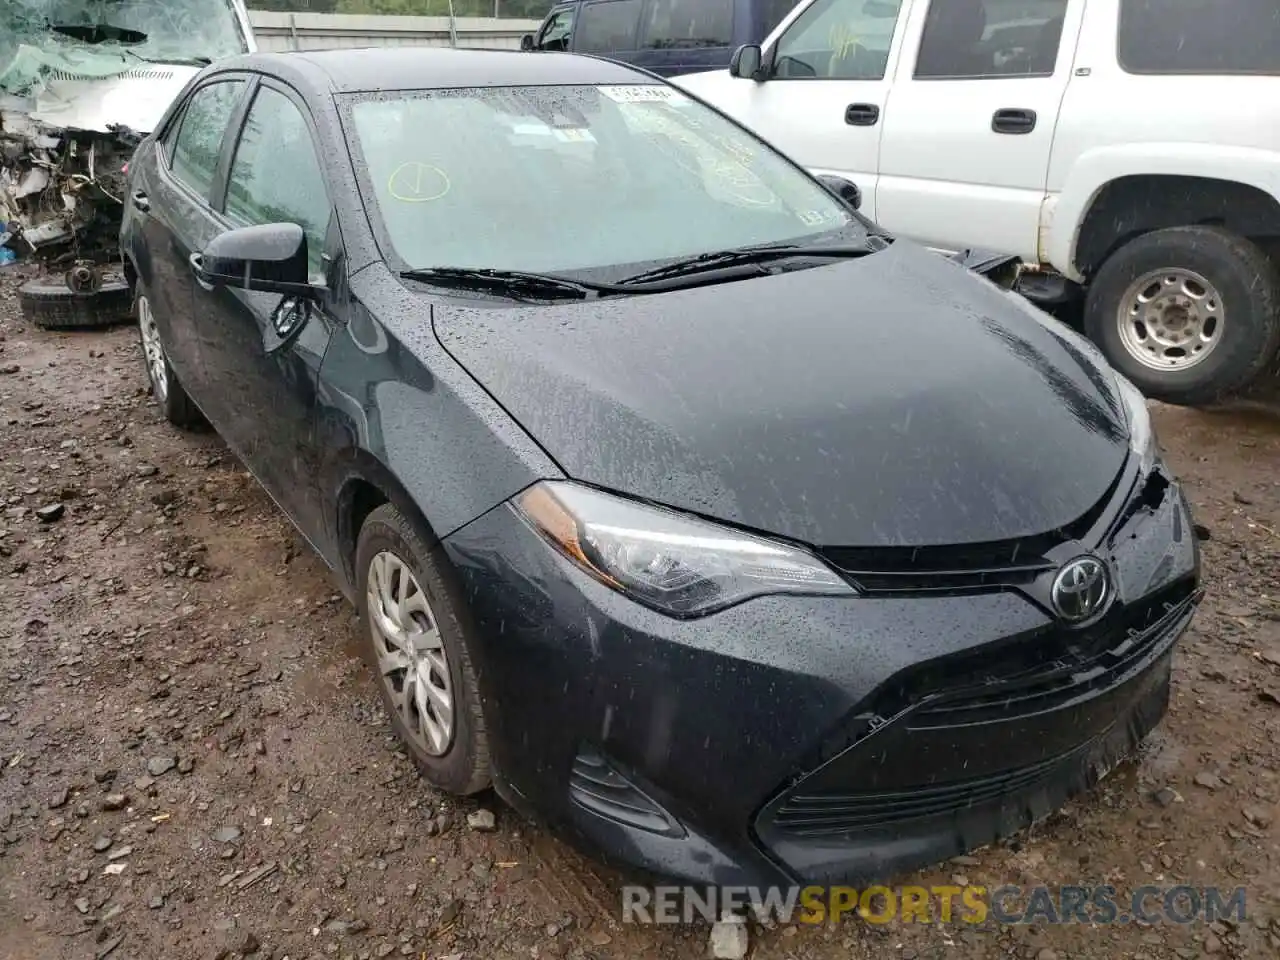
{"x":1127,"y":150}
{"x":81,"y":82}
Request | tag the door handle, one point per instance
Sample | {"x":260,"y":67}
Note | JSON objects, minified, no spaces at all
{"x":861,"y":114}
{"x":1013,"y":120}
{"x":142,"y":201}
{"x":197,"y":267}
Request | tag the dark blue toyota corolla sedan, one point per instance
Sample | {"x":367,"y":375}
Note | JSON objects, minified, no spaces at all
{"x":733,"y":537}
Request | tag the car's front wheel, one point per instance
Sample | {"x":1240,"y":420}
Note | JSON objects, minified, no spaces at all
{"x":416,"y":644}
{"x":1191,"y":315}
{"x":168,"y":392}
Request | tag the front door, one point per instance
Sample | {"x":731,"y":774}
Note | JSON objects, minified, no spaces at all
{"x":265,"y":383}
{"x":175,"y":198}
{"x":965,"y":156}
{"x":823,"y":99}
{"x":556,"y":32}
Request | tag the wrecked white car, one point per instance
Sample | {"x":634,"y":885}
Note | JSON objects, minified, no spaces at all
{"x":81,"y":82}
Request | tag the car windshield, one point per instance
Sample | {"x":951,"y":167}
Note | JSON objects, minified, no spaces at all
{"x":567,"y":178}
{"x":156,"y":30}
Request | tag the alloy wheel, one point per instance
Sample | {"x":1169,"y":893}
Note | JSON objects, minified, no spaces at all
{"x":1170,"y":319}
{"x":153,"y":349}
{"x":412,"y":660}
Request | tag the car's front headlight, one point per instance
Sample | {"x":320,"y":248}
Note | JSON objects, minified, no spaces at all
{"x":1142,"y":435}
{"x":677,"y":564}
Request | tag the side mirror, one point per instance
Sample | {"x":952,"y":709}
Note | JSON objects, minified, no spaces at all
{"x":846,"y":190}
{"x":526,"y":42}
{"x":746,"y":62}
{"x":271,"y":259}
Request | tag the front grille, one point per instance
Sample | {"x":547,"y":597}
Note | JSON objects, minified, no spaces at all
{"x":880,"y":572}
{"x":810,"y":815}
{"x":1089,"y":661}
{"x":140,"y":73}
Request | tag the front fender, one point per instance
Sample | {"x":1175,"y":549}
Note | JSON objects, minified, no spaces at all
{"x":1097,"y":168}
{"x":413,"y":424}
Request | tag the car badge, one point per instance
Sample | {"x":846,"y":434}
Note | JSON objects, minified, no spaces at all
{"x":1081,"y":590}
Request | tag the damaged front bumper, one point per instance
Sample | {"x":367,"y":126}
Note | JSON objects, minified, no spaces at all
{"x":61,"y":194}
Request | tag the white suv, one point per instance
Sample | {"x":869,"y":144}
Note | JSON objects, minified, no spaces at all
{"x":1127,"y":147}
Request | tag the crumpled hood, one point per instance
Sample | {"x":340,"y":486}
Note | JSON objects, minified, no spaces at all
{"x":136,"y":99}
{"x":894,"y":400}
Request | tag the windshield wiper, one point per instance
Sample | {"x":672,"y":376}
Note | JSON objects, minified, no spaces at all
{"x":747,"y":255}
{"x":513,"y":283}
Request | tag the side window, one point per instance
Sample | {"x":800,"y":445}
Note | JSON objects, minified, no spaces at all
{"x":198,"y":142}
{"x":275,"y":177}
{"x":838,"y":40}
{"x":608,"y":25}
{"x":1200,"y":36}
{"x":985,"y":39}
{"x":687,"y":23}
{"x":556,"y":31}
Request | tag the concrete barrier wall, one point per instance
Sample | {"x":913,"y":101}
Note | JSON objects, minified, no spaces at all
{"x":321,"y":31}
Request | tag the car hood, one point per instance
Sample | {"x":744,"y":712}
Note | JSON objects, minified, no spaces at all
{"x":136,"y":99}
{"x":894,"y":400}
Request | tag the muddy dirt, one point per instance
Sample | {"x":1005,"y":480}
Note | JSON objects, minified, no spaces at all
{"x":193,"y":761}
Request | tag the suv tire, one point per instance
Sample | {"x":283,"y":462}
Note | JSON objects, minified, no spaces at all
{"x":1168,"y":294}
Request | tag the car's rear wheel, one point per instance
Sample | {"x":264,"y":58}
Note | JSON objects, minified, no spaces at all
{"x":165,"y":388}
{"x":417,"y":646}
{"x":1191,"y":315}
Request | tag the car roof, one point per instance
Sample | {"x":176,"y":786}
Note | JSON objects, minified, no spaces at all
{"x":376,"y":69}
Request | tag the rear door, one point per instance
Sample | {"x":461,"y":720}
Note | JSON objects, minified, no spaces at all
{"x":684,"y":36}
{"x":266,"y":396}
{"x":608,"y":28}
{"x":970,"y":126}
{"x":175,"y":203}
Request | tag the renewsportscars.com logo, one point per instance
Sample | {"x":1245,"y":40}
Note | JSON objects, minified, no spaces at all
{"x":971,"y":904}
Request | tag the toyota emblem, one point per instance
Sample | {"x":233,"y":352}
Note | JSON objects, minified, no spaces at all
{"x":1081,"y":589}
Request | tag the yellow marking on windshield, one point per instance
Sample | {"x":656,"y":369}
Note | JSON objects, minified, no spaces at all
{"x":411,"y":182}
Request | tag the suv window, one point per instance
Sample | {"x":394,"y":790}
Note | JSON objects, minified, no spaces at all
{"x":276,"y":178}
{"x":194,"y":157}
{"x":771,"y":13}
{"x":687,"y":23}
{"x":555,"y":32}
{"x":609,"y":25}
{"x":983,"y":39}
{"x":838,"y":40}
{"x":1200,"y":36}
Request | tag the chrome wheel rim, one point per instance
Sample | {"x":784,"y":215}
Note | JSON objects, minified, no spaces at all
{"x":412,"y":661}
{"x":1171,"y":319}
{"x":153,"y":350}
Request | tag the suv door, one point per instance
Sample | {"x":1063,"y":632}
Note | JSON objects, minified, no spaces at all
{"x":681,"y":36}
{"x":173,"y":197}
{"x":823,"y":88}
{"x":556,"y":32}
{"x":609,"y":28}
{"x":266,"y":380}
{"x":965,"y":156}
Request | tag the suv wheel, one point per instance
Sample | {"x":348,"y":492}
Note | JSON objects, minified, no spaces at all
{"x":416,"y":645}
{"x":1191,"y":315}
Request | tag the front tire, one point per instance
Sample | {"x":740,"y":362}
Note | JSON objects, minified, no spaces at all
{"x":1191,"y":315}
{"x":417,"y":646}
{"x":168,"y":392}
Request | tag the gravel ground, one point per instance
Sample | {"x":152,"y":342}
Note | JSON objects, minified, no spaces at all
{"x":193,"y":761}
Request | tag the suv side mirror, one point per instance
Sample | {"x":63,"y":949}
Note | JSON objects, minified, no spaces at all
{"x":271,"y":258}
{"x":746,"y":62}
{"x":846,"y":190}
{"x":526,"y":42}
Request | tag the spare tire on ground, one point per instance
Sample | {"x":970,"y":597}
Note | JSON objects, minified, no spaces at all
{"x":52,"y":305}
